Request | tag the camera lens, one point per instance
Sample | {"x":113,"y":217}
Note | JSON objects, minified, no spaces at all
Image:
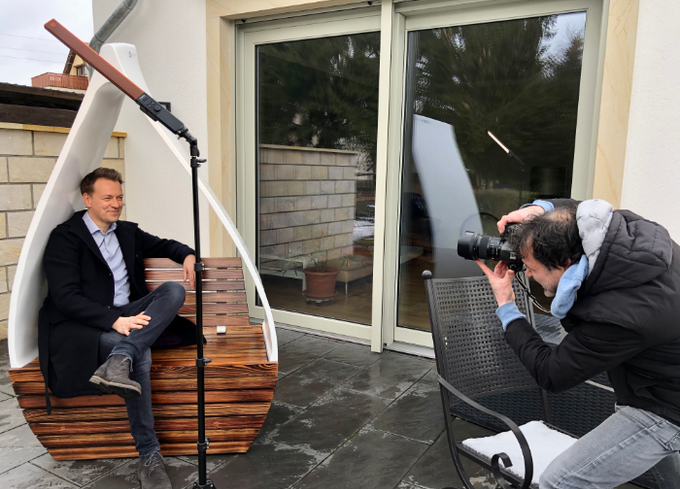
{"x":468,"y":245}
{"x":475,"y":246}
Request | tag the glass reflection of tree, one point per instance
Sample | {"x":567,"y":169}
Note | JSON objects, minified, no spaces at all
{"x":321,"y":93}
{"x":502,"y":77}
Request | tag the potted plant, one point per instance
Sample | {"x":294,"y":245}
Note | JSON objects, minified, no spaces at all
{"x":320,"y":279}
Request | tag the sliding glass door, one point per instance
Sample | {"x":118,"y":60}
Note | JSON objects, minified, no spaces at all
{"x":491,"y":111}
{"x":367,"y":148}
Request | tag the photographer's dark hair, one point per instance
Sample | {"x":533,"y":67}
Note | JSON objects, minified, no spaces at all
{"x":553,"y":236}
{"x":87,"y":184}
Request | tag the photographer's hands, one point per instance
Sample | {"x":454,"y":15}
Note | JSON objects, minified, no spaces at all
{"x":520,"y":215}
{"x":501,"y":281}
{"x":501,"y":277}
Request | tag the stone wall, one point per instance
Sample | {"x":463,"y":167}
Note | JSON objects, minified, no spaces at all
{"x":27,"y":157}
{"x":307,"y":203}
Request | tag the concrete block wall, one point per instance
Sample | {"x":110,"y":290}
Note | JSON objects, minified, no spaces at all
{"x":27,"y":156}
{"x":307,"y":202}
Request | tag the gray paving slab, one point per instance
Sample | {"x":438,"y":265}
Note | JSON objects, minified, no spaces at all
{"x":211,"y":461}
{"x":11,"y":415}
{"x":305,"y":386}
{"x":28,"y":476}
{"x":329,"y":422}
{"x":79,"y":472}
{"x":180,"y":472}
{"x":278,"y":415}
{"x":353,"y":354}
{"x":435,"y":468}
{"x":267,"y":466}
{"x":417,"y":414}
{"x":303,"y":351}
{"x":5,"y":384}
{"x":371,"y":459}
{"x":341,"y":417}
{"x":17,"y":447}
{"x":391,"y":376}
{"x":284,"y":336}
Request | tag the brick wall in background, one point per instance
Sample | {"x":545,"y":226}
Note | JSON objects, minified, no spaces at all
{"x":27,"y":156}
{"x":307,"y":204}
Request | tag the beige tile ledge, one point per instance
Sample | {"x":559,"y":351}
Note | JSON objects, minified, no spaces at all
{"x":238,"y":9}
{"x":64,"y":130}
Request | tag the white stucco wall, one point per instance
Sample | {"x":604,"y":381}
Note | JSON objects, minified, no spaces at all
{"x":651,"y":183}
{"x":170,"y":44}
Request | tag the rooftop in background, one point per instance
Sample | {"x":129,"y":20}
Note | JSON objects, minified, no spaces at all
{"x":39,"y":106}
{"x":73,"y":78}
{"x":59,"y":81}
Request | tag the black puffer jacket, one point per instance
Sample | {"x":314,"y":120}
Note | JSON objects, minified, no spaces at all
{"x":626,"y":321}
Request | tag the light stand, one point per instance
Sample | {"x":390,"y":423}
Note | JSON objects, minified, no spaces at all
{"x":159,"y":113}
{"x":522,"y":166}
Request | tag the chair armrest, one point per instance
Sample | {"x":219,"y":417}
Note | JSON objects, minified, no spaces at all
{"x":524,"y":446}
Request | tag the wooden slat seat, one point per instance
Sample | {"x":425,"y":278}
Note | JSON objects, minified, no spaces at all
{"x":239,"y":382}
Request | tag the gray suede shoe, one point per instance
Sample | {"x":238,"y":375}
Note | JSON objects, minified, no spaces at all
{"x":151,"y":472}
{"x":113,"y":377}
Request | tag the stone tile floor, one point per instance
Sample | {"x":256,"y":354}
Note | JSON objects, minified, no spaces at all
{"x":342,"y":417}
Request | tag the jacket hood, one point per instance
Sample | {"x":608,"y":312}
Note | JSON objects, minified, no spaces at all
{"x":593,"y":218}
{"x":624,"y":250}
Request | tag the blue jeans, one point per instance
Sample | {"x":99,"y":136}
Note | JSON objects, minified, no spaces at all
{"x":626,"y":445}
{"x":161,"y":305}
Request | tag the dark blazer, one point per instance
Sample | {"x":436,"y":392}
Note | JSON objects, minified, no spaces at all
{"x":78,"y":307}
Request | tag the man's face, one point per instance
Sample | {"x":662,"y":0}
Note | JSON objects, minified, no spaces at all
{"x":536,"y":270}
{"x":106,"y":202}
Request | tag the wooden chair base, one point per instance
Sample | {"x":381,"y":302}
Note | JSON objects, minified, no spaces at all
{"x":239,"y":389}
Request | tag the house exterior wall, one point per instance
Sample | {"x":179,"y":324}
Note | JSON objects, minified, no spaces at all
{"x":170,"y":37}
{"x":27,"y":156}
{"x":188,"y":54}
{"x":651,"y":178}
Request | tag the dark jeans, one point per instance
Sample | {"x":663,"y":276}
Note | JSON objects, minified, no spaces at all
{"x":161,"y":305}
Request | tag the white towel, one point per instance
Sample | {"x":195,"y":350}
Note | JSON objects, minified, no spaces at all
{"x":545,"y":444}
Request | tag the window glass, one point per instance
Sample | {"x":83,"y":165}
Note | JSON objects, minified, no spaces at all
{"x":317,"y":106}
{"x":518,"y":80}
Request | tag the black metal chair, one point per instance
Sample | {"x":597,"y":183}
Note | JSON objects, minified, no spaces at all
{"x":474,"y":362}
{"x":482,"y":380}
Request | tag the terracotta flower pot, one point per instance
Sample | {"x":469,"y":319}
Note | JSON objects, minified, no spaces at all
{"x":320,"y":285}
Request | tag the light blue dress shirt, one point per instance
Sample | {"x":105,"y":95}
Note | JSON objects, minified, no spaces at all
{"x":110,"y":248}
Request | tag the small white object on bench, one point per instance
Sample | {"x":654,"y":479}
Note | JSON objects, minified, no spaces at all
{"x":545,"y":444}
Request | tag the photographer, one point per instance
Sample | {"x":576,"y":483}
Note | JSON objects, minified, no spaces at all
{"x":616,"y":289}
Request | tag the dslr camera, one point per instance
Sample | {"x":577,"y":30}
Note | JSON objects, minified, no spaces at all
{"x":475,"y":246}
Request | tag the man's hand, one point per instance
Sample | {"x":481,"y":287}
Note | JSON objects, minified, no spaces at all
{"x":189,"y":272}
{"x":126,"y":324}
{"x":520,"y":215}
{"x":501,"y":281}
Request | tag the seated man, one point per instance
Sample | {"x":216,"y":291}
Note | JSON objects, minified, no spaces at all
{"x":99,"y":320}
{"x":615,"y":279}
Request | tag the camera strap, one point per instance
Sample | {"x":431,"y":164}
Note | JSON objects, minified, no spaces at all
{"x":533,"y":300}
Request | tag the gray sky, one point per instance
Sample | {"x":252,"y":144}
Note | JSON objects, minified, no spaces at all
{"x":26,"y":48}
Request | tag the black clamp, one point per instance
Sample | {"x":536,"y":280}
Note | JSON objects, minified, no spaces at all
{"x":196,"y":162}
{"x":199,"y":266}
{"x":202,"y":362}
{"x":202,"y":447}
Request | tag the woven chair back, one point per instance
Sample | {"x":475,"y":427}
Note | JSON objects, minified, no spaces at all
{"x":471,"y":352}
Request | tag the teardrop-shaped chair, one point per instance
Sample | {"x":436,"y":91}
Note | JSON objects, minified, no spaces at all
{"x":240,"y":380}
